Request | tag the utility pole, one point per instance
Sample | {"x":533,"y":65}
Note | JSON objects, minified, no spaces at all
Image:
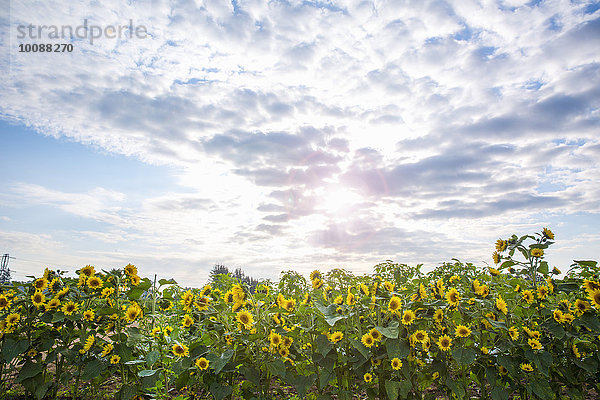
{"x":4,"y":270}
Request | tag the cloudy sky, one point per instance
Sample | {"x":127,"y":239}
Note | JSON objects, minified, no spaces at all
{"x":276,"y":135}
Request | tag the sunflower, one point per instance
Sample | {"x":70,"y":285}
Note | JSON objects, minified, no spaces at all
{"x":94,"y":282}
{"x":338,"y":300}
{"x":548,"y":233}
{"x":108,"y":347}
{"x":275,"y":339}
{"x":156,"y":332}
{"x":513,"y":332}
{"x":590,"y":285}
{"x":38,"y":299}
{"x":438,"y":316}
{"x":40,"y":284}
{"x":135,"y":280}
{"x":462,"y":331}
{"x":165,"y":305}
{"x":453,"y":297}
{"x":528,"y":296}
{"x":88,"y":315}
{"x":316,"y":274}
{"x":284,"y":352}
{"x":534,"y":344}
{"x":89,"y":342}
{"x":575,"y":350}
{"x":317,"y":283}
{"x":364,"y":289}
{"x":501,"y":245}
{"x":52,"y":304}
{"x":130,"y":270}
{"x":367,"y":340}
{"x":114,"y":359}
{"x":594,"y":296}
{"x":350,"y":299}
{"x":394,"y":304}
{"x":493,"y":271}
{"x":12,"y":319}
{"x":581,"y":306}
{"x":167,"y":330}
{"x":70,"y":307}
{"x":202,"y":363}
{"x":107,"y":292}
{"x":368,"y":377}
{"x":526,"y":367}
{"x":557,"y":315}
{"x":501,"y":304}
{"x":180,"y":350}
{"x":5,"y":302}
{"x":245,"y":318}
{"x":375,"y":334}
{"x":537,"y":252}
{"x":287,"y":341}
{"x":336,"y":337}
{"x":408,"y":317}
{"x":421,"y":336}
{"x":444,"y":342}
{"x":389,"y":286}
{"x":133,"y":312}
{"x":88,"y":271}
{"x":62,"y":291}
{"x":542,"y":292}
{"x":502,"y":370}
{"x":396,"y":363}
{"x":187,"y":321}
{"x":484,"y":350}
{"x":496,"y":258}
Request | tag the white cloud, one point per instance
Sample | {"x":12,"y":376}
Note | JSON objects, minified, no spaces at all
{"x":431,"y":111}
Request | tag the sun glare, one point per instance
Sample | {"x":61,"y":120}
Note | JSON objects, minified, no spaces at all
{"x":338,"y":200}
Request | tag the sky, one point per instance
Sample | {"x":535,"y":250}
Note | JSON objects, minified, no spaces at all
{"x":280,"y":135}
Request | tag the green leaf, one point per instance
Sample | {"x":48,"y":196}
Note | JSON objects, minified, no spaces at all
{"x":152,"y":357}
{"x":397,"y":348}
{"x":360,"y":347}
{"x":543,"y":360}
{"x":555,"y":329}
{"x":542,"y":389}
{"x":391,"y":331}
{"x":497,"y":324}
{"x":147,"y":372}
{"x":163,"y":282}
{"x":456,"y":387}
{"x":12,"y":348}
{"x":567,"y":287}
{"x":127,"y":392}
{"x":543,"y":268}
{"x":589,"y":364}
{"x":135,"y":293}
{"x":218,"y":362}
{"x":499,"y":393}
{"x":58,"y":316}
{"x":276,"y":367}
{"x":392,"y":388}
{"x":220,"y":392}
{"x":303,"y":382}
{"x":507,"y":264}
{"x":133,"y":336}
{"x":182,"y":380}
{"x":29,"y":370}
{"x":508,"y":363}
{"x":464,"y":356}
{"x":92,"y":369}
{"x":590,"y":321}
{"x":251,"y":374}
{"x":323,"y":345}
{"x":588,"y":263}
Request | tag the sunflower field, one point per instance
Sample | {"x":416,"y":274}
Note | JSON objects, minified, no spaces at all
{"x":519,"y":330}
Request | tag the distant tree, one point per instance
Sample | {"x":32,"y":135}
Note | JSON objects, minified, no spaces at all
{"x":238,"y":274}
